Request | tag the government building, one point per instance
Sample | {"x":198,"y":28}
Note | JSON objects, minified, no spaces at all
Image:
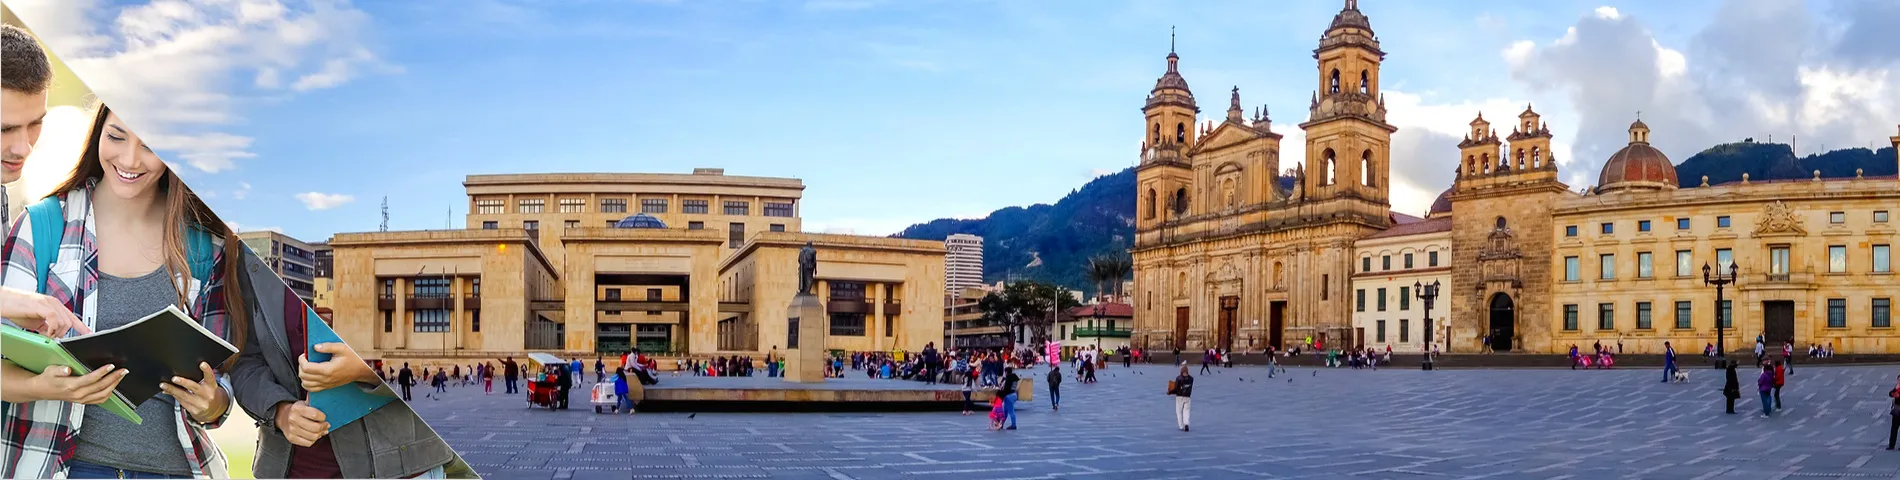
{"x":1226,"y":258}
{"x":698,"y":264}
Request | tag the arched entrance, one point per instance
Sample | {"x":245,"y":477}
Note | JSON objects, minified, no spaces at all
{"x":1503,"y":322}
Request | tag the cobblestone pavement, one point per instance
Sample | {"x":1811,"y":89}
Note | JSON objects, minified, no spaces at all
{"x":1311,"y":423}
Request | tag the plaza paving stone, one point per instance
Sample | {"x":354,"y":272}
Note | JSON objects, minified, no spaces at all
{"x":1308,"y":423}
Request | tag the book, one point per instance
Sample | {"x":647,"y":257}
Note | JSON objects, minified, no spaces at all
{"x":168,"y":343}
{"x":343,"y":404}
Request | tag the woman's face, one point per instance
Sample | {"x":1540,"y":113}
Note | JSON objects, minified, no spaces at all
{"x":132,"y":169}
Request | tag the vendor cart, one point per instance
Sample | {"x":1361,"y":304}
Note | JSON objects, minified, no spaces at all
{"x":603,"y":396}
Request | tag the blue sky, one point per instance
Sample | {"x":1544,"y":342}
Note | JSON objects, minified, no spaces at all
{"x":302,"y":116}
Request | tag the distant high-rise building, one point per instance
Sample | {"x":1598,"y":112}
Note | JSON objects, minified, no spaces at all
{"x":290,"y":258}
{"x":963,"y":264}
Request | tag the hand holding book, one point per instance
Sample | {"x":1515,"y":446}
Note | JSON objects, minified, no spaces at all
{"x":342,"y":367}
{"x":58,"y":383}
{"x":204,"y":400}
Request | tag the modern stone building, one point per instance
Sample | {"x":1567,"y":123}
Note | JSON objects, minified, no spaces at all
{"x":1527,"y":263}
{"x":292,"y":259}
{"x":705,"y":266}
{"x":963,"y":265}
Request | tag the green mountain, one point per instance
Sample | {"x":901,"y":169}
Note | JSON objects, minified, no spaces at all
{"x":1051,"y":243}
{"x":1776,"y":161}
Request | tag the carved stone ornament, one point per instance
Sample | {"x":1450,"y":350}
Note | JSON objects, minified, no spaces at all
{"x":1778,"y":217}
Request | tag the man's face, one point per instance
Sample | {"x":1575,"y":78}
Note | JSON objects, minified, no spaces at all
{"x":21,"y":115}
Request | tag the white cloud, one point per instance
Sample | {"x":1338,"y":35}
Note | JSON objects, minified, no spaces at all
{"x":1759,"y":68}
{"x":1608,"y":13}
{"x":323,"y":201}
{"x":173,"y":68}
{"x":235,"y":227}
{"x":244,"y":190}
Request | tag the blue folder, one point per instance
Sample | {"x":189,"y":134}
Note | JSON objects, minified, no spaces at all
{"x":346,"y":403}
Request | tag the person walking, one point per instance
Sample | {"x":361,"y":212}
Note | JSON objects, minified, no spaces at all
{"x":488,"y":379}
{"x":1787,"y":356}
{"x":1669,"y":362}
{"x":1765,"y":385}
{"x":1008,"y":392}
{"x":621,"y":389}
{"x":1732,"y":388}
{"x":510,"y":372}
{"x":405,"y":378}
{"x":969,"y":386}
{"x":1893,"y":417}
{"x":1761,"y":349}
{"x":600,"y":369}
{"x":1055,"y":387}
{"x":1206,"y":358}
{"x":1781,"y":378}
{"x":1183,"y":391}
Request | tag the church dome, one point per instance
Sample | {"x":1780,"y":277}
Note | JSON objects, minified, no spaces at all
{"x":640,"y":220}
{"x":1637,"y":166}
{"x":1441,"y":206}
{"x":1350,"y":17}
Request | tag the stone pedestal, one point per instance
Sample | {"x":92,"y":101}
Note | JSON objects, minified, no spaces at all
{"x":805,"y":342}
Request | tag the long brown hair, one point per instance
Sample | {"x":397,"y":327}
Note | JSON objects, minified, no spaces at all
{"x":183,"y":210}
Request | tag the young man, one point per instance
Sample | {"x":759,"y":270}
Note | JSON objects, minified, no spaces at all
{"x":1669,"y":362}
{"x":272,"y":382}
{"x":27,"y":76}
{"x":1055,"y":386}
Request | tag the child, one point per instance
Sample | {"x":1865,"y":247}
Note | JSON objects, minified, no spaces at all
{"x":996,"y":413}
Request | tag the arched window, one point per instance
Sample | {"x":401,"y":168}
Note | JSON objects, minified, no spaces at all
{"x":1365,"y":85}
{"x":1520,"y":157}
{"x":1332,"y":168}
{"x":1365,"y":169}
{"x":1471,"y":165}
{"x":1157,"y":134}
{"x":1501,"y":223}
{"x":1150,"y":210}
{"x":1537,"y":157}
{"x":1180,"y":201}
{"x":1180,"y":133}
{"x":1333,"y":87}
{"x":1486,"y":160}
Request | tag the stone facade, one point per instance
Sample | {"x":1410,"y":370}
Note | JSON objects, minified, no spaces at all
{"x":585,"y":289}
{"x":1396,"y":265}
{"x":1222,"y":254}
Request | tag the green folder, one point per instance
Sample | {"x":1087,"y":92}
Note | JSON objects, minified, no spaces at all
{"x":35,"y":352}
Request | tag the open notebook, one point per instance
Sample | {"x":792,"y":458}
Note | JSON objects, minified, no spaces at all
{"x":165,"y":344}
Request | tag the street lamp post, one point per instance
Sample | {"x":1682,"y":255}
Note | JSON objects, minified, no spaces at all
{"x":1719,"y":280}
{"x":1429,"y":294}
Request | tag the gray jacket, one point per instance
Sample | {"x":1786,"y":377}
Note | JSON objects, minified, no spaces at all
{"x":391,"y":442}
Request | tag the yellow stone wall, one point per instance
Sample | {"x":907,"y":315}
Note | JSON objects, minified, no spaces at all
{"x":511,"y":271}
{"x":1809,"y":285}
{"x":765,"y":274}
{"x":691,"y":253}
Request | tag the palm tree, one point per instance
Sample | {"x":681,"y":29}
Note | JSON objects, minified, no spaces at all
{"x":1107,"y":271}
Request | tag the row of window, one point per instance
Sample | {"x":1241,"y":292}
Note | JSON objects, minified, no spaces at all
{"x":1608,"y":228}
{"x":1879,"y":261}
{"x":1880,"y":314}
{"x":1405,"y":299}
{"x":1385,"y":261}
{"x":737,"y":228}
{"x":1405,"y":330}
{"x":619,"y":205}
{"x":431,"y":321}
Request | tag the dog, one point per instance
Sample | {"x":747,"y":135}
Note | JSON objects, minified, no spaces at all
{"x":1680,"y":377}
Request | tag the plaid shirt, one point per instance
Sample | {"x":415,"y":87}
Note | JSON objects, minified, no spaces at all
{"x":41,"y":437}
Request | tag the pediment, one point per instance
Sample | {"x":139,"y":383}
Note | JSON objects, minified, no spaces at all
{"x":1228,"y":134}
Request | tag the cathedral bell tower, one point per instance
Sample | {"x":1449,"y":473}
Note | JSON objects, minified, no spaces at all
{"x":1348,"y":142}
{"x":1165,"y":178}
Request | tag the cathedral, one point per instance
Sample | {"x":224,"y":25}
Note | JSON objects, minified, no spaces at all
{"x":1227,"y":258}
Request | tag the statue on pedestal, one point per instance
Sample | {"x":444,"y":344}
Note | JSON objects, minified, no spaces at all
{"x":807,"y":269}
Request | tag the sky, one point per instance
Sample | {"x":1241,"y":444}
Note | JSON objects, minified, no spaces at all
{"x":303,"y":116}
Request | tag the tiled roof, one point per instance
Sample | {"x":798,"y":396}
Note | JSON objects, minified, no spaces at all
{"x":1111,"y":309}
{"x":1440,"y":224}
{"x":1401,"y":219}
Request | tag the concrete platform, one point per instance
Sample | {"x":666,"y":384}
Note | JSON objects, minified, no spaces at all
{"x":765,"y":394}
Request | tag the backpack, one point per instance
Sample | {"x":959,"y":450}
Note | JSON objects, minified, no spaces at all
{"x":49,"y":229}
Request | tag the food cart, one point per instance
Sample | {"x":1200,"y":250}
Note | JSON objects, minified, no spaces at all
{"x":541,"y":388}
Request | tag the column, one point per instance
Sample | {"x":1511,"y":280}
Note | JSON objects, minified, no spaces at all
{"x":457,"y":323}
{"x":874,"y":326}
{"x":402,"y":327}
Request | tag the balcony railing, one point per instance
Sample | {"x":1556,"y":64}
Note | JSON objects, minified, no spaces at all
{"x":1104,"y":332}
{"x":429,"y":302}
{"x":472,"y":301}
{"x":385,"y":302}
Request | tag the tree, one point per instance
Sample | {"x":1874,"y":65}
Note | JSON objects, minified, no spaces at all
{"x":1107,"y":271}
{"x":1026,"y":307}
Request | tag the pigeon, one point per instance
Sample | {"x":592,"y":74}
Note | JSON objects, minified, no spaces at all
{"x":691,"y":415}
